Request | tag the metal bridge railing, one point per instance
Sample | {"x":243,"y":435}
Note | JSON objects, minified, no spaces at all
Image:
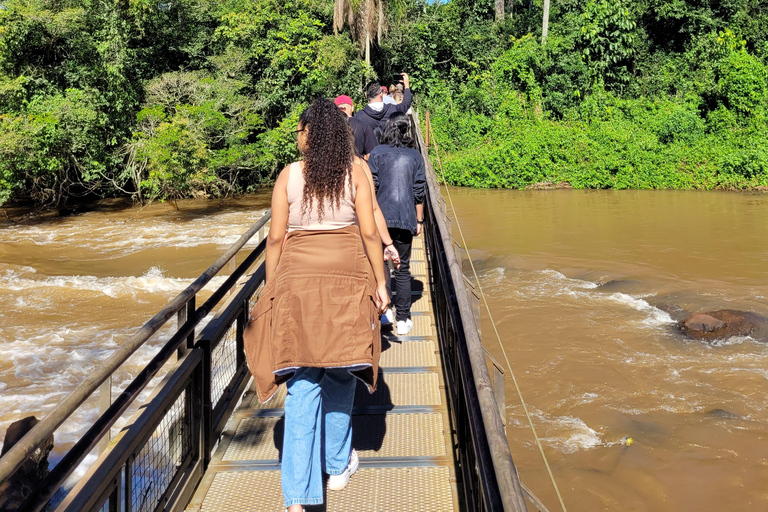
{"x":158,"y":459}
{"x":488,"y":477}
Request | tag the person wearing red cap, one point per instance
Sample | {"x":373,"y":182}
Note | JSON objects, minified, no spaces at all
{"x":365,"y":140}
{"x":386,"y":97}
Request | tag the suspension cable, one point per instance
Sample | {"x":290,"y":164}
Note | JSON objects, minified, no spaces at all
{"x":493,"y":323}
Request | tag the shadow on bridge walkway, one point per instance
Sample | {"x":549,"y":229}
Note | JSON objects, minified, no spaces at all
{"x":401,"y":433}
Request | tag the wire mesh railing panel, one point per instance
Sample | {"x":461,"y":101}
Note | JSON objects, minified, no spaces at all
{"x":105,"y":507}
{"x":154,"y":468}
{"x":223,"y":363}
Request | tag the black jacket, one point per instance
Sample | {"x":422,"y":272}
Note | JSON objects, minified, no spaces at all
{"x":400,"y":180}
{"x":377,"y":119}
{"x":365,"y":140}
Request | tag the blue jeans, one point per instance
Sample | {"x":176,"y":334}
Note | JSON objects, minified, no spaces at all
{"x":318,"y":431}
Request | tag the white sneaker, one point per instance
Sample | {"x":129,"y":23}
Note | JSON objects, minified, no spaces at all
{"x":339,"y":482}
{"x":404,"y":327}
{"x":388,"y":317}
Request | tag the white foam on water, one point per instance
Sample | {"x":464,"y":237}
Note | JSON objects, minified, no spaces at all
{"x":561,"y":278}
{"x":104,"y":236}
{"x":573,"y":434}
{"x":152,"y":281}
{"x":655,"y":318}
{"x":732,"y":340}
{"x":543,"y":285}
{"x":587,"y":398}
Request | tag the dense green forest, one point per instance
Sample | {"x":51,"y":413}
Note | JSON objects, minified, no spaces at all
{"x":171,"y":98}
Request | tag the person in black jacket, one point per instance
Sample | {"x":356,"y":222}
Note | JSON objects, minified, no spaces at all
{"x":400,"y":180}
{"x":376,"y":113}
{"x":365,"y":140}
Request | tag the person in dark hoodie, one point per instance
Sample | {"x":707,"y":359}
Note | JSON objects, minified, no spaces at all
{"x":400,"y":181}
{"x":376,"y":113}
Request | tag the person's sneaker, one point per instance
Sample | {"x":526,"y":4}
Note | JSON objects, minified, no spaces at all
{"x":387,"y":318}
{"x":404,"y":327}
{"x":339,"y":482}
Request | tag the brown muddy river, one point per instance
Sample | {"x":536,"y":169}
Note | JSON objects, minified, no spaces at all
{"x":596,"y":362}
{"x":73,"y":288}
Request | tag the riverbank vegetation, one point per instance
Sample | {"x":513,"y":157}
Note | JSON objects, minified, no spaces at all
{"x":168,"y":99}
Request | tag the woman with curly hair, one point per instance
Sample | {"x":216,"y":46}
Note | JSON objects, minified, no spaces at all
{"x":326,"y":287}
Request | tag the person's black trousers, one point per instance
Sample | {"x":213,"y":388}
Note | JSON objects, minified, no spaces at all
{"x":403,"y":239}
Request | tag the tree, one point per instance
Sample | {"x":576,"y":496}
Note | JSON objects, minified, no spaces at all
{"x":362,"y":16}
{"x":499,"y":8}
{"x":545,"y":22}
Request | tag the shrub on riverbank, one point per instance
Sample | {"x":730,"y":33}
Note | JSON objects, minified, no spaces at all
{"x":615,"y":153}
{"x":501,"y":128}
{"x":622,"y":94}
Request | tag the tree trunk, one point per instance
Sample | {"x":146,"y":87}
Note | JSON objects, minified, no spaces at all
{"x":499,"y":8}
{"x":545,"y":22}
{"x":367,"y":48}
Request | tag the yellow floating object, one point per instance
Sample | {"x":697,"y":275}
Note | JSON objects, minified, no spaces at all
{"x":629,"y":441}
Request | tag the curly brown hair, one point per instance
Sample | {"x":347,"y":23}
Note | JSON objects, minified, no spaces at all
{"x":327,"y":157}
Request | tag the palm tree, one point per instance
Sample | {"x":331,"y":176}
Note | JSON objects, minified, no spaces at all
{"x":363,"y":17}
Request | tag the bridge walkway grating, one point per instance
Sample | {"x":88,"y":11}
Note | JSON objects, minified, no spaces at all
{"x":401,"y":432}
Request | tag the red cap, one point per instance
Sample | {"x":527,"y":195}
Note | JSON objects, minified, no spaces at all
{"x":384,"y":89}
{"x":340,"y":100}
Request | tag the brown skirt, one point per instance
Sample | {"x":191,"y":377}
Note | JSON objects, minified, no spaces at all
{"x":318,"y":311}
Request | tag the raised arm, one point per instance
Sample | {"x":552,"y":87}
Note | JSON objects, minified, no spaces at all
{"x":407,"y":96}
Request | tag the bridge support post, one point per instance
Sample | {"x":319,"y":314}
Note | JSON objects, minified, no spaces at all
{"x":105,"y":400}
{"x":182,"y":316}
{"x":500,"y":393}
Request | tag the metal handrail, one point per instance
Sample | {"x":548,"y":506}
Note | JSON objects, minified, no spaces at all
{"x":17,"y":455}
{"x":507,"y":483}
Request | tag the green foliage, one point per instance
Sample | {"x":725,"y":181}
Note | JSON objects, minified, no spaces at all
{"x":169,"y":99}
{"x":742,"y":86}
{"x":607,"y":154}
{"x":55,"y":148}
{"x":681,"y":125}
{"x":193,"y":135}
{"x":607,"y":40}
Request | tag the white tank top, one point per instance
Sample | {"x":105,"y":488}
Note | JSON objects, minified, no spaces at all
{"x":332,"y":218}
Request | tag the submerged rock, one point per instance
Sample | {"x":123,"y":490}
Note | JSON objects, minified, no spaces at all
{"x":29,"y":476}
{"x":715,"y":325}
{"x":673,"y":310}
{"x":721,"y":413}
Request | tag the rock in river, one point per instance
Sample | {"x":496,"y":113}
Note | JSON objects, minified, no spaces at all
{"x":29,"y":476}
{"x":721,"y":324}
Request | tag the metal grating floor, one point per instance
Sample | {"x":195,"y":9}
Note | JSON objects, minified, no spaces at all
{"x":370,"y":490}
{"x":373,"y":435}
{"x":401,"y":432}
{"x":412,"y":353}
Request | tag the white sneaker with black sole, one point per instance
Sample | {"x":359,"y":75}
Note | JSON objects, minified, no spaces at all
{"x":404,"y":327}
{"x":339,"y":482}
